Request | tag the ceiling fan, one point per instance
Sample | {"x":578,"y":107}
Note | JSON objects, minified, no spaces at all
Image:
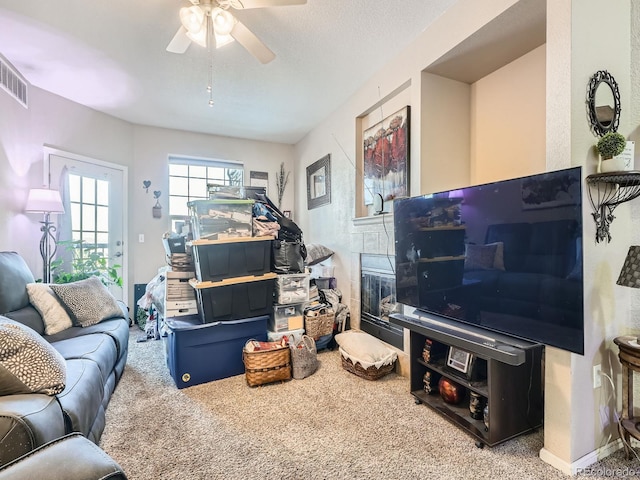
{"x":209,"y":23}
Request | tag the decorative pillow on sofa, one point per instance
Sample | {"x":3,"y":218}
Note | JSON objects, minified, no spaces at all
{"x":480,"y":257}
{"x":28,"y":363}
{"x":88,"y":301}
{"x":498,"y":262}
{"x":54,"y":316}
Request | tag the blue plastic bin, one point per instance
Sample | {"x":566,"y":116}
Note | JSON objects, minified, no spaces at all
{"x":202,"y":352}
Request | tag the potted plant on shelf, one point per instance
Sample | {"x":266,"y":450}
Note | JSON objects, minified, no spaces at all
{"x":610,"y":146}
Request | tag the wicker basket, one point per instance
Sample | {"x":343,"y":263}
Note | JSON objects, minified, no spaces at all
{"x":304,"y":357}
{"x":267,"y":366}
{"x":371,"y":373}
{"x":318,"y":323}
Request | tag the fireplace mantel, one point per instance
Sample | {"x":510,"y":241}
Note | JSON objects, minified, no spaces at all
{"x":373,"y":220}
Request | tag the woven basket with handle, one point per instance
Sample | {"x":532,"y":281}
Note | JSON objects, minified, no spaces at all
{"x":267,"y":366}
{"x":318,"y":323}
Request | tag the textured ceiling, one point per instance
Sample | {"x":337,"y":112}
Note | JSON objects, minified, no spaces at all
{"x":111,"y":56}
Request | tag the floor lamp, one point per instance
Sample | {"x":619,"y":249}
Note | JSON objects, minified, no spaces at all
{"x":45,"y":201}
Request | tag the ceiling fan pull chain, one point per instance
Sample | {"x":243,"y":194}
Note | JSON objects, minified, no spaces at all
{"x":210,"y":49}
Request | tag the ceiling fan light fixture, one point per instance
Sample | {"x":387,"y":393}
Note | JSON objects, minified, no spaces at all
{"x":192,"y":19}
{"x":200,"y":37}
{"x":222,"y":40}
{"x":223,"y":21}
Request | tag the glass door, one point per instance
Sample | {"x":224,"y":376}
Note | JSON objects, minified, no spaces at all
{"x":92,"y":194}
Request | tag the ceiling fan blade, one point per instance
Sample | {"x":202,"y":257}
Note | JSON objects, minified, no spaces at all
{"x":180,"y":42}
{"x":254,"y":46}
{"x":245,"y":4}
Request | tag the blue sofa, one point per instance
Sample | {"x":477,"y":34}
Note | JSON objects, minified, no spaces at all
{"x":95,"y":358}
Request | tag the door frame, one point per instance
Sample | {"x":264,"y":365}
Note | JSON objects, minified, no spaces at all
{"x":48,"y":151}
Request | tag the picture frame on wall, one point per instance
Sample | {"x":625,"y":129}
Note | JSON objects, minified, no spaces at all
{"x":386,"y":157}
{"x":259,"y":179}
{"x":319,"y":182}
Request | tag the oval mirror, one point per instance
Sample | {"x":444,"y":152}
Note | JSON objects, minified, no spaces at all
{"x":603,"y":102}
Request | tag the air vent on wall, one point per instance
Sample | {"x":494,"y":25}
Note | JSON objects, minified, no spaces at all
{"x":12,"y":82}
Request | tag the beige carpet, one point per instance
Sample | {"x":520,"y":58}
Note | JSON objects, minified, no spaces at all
{"x":332,"y":425}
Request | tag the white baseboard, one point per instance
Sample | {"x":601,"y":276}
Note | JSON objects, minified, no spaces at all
{"x":583,"y":462}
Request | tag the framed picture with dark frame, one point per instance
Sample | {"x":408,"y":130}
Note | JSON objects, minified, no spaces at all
{"x":386,"y":157}
{"x":319,"y":182}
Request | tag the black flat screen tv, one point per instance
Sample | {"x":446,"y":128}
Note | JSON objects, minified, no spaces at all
{"x":504,"y":256}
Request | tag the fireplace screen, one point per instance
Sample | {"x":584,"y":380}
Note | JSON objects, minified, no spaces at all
{"x":378,"y":296}
{"x":378,"y":299}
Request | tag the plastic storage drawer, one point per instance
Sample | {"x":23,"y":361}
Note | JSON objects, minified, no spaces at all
{"x":292,"y":288}
{"x":218,"y":219}
{"x":287,"y":317}
{"x":235,"y":298}
{"x":233,"y":257}
{"x":199,"y":353}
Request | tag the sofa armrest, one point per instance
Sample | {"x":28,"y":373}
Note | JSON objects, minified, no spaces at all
{"x":125,"y":311}
{"x":72,"y":458}
{"x":26,"y":422}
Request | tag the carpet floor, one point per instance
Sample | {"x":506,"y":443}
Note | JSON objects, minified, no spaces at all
{"x":331,"y":425}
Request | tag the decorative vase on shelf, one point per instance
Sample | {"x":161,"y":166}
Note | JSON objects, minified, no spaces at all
{"x":450,"y":391}
{"x":611,"y":153}
{"x":615,"y":164}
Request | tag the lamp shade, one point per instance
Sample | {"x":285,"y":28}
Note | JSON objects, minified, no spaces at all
{"x":630,"y":273}
{"x":44,"y":200}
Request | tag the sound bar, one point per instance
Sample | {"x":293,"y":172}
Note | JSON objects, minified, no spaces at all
{"x":485,"y":344}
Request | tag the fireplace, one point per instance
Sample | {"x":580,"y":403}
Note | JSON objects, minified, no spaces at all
{"x":378,"y":299}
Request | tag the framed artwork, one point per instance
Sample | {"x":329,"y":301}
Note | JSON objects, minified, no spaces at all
{"x":259,"y":179}
{"x":386,"y":157}
{"x":550,"y":191}
{"x":319,"y":182}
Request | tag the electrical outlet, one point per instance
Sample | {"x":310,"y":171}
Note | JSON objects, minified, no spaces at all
{"x":141,"y":237}
{"x":597,"y":376}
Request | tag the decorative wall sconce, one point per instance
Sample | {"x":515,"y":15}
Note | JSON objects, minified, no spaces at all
{"x":157,"y":208}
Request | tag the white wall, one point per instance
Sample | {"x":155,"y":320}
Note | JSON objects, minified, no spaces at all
{"x":332,"y":224}
{"x":56,"y":122}
{"x":508,"y":120}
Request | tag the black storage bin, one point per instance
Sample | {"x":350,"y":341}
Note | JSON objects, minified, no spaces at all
{"x":174,"y":245}
{"x":216,"y":260}
{"x":254,"y":193}
{"x":235,"y":298}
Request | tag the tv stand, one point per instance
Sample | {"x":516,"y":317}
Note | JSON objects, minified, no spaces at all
{"x":503,"y":372}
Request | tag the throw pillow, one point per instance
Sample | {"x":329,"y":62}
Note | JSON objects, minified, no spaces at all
{"x":317,"y":253}
{"x":480,"y":257}
{"x":54,"y":316}
{"x":88,"y":301}
{"x":498,"y":262}
{"x":28,"y":363}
